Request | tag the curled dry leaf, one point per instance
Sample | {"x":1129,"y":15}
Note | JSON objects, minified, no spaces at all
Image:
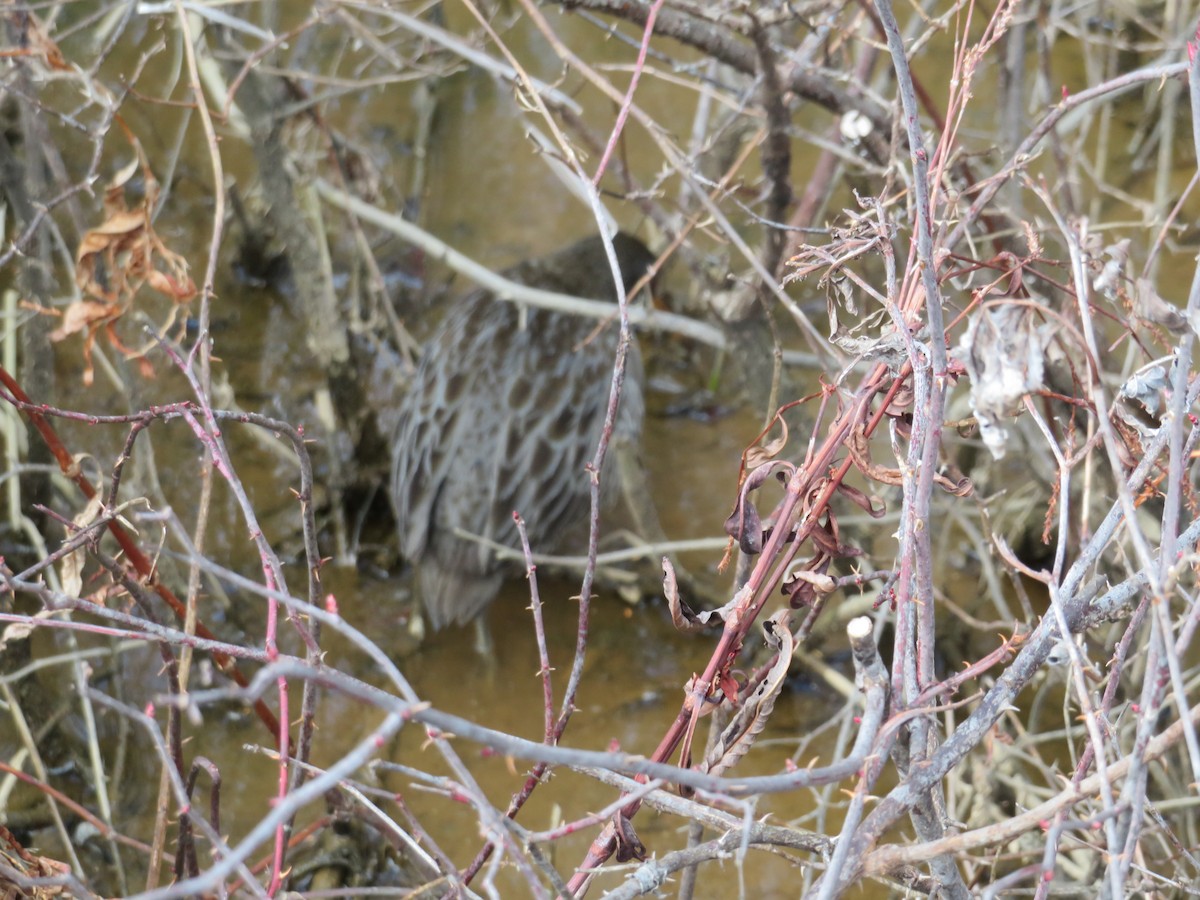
{"x":71,"y":569}
{"x":691,"y":622}
{"x":805,"y":584}
{"x":739,"y":735}
{"x":71,"y":572}
{"x":732,"y":611}
{"x":744,"y":524}
{"x":50,"y":878}
{"x":827,"y":538}
{"x":1150,"y":307}
{"x":951,"y":479}
{"x":629,"y":845}
{"x":1108,"y":282}
{"x":860,"y":452}
{"x":21,"y":630}
{"x":1002,"y":351}
{"x":841,"y":290}
{"x":1134,"y":434}
{"x":888,"y":347}
{"x":113,"y":262}
{"x":1147,"y":388}
{"x":862,"y":501}
{"x":683,"y":616}
{"x":761,"y":454}
{"x":822,"y":583}
{"x":901,"y":403}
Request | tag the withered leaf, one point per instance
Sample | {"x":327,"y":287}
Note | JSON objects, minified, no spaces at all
{"x":1149,"y":306}
{"x":902,"y":403}
{"x":682,"y":616}
{"x":71,"y":573}
{"x":860,"y":452}
{"x":744,"y":524}
{"x":21,"y":630}
{"x":629,"y":845}
{"x":862,"y":501}
{"x":955,"y":482}
{"x":828,"y":541}
{"x":728,"y":685}
{"x":739,"y":735}
{"x":1147,"y":388}
{"x":80,"y":315}
{"x":1003,"y":355}
{"x":1109,"y":280}
{"x":888,"y":347}
{"x":806,"y":583}
{"x":117,"y":258}
{"x":760,"y":454}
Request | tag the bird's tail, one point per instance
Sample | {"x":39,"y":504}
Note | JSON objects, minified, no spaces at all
{"x":453,"y":594}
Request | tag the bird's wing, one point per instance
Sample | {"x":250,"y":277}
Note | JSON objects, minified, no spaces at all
{"x":436,"y":470}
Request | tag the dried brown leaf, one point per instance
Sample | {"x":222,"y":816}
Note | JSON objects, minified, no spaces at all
{"x":683,"y":616}
{"x":744,"y":524}
{"x":117,"y":258}
{"x":740,"y":734}
{"x":1150,"y":307}
{"x":862,"y":501}
{"x":761,"y":454}
{"x":859,"y":446}
{"x":629,"y":845}
{"x":805,"y":584}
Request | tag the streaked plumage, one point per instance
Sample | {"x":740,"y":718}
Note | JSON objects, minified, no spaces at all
{"x":502,"y":417}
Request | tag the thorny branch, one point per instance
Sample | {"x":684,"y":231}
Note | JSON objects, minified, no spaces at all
{"x":979,"y":469}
